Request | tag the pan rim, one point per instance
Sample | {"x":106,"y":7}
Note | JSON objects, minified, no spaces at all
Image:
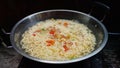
{"x":60,"y":62}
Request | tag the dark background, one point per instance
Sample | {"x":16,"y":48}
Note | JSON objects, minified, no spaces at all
{"x":11,"y":11}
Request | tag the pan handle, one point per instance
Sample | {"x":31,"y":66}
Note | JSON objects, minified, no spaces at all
{"x":111,"y":33}
{"x":98,"y":5}
{"x":5,"y":38}
{"x":96,"y":8}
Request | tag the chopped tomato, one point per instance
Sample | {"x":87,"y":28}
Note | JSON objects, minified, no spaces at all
{"x":52,"y":31}
{"x":65,"y":24}
{"x":50,"y":42}
{"x":65,"y":48}
{"x":34,"y":34}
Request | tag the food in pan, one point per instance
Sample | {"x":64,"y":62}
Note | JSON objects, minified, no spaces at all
{"x":58,"y":39}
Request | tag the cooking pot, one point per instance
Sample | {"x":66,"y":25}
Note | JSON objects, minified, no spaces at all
{"x":91,"y":22}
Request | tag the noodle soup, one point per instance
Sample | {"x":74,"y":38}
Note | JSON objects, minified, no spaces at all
{"x":58,"y":39}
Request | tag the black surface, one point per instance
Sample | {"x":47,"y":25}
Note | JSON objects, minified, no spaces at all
{"x":109,"y":57}
{"x":11,"y":11}
{"x":4,"y":38}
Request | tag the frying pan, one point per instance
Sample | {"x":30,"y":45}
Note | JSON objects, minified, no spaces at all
{"x":91,"y":22}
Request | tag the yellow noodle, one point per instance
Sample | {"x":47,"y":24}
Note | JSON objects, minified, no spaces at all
{"x":83,"y":41}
